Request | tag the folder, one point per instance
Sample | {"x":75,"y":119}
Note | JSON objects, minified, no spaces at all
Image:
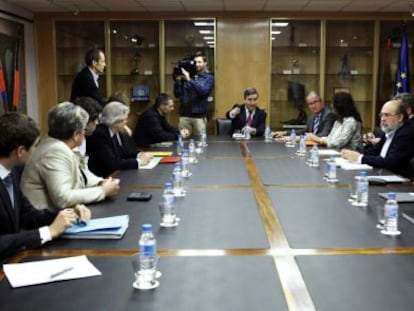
{"x":167,"y":160}
{"x":99,"y":228}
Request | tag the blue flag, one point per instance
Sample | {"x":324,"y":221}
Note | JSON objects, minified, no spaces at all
{"x":402,"y":81}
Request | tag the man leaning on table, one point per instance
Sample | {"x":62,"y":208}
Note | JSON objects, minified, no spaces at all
{"x":19,"y":136}
{"x":249,"y":115}
{"x":395,"y":150}
{"x":320,"y":121}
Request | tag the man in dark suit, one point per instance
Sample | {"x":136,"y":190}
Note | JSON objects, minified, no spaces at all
{"x":153,"y":127}
{"x":248,"y":116}
{"x":395,"y":149}
{"x":19,"y":136}
{"x":86,"y":81}
{"x":320,"y":122}
{"x":106,"y":148}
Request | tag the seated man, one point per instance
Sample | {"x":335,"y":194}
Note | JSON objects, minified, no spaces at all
{"x":106,"y":148}
{"x":395,"y":150}
{"x":153,"y":127}
{"x":54,"y":176}
{"x":248,"y":115}
{"x":321,"y":120}
{"x":19,"y":136}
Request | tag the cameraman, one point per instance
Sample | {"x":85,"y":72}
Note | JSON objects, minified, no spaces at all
{"x":193,"y":93}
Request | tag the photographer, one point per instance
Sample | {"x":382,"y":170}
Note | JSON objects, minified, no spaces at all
{"x":193,"y":92}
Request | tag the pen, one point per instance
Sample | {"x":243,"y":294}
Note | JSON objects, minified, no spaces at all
{"x":59,"y":273}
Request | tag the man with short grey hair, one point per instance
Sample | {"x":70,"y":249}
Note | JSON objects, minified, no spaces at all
{"x":54,"y":176}
{"x":106,"y":148}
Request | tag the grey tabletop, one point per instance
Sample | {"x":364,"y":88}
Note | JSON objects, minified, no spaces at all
{"x":187,"y":283}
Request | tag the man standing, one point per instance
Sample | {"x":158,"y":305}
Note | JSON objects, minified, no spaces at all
{"x":194,"y":92}
{"x":152,"y":126}
{"x":248,"y":115}
{"x":320,"y":121}
{"x":395,"y":150}
{"x":19,"y":136}
{"x":86,"y":82}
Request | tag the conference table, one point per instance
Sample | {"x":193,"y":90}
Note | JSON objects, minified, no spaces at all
{"x":259,"y":229}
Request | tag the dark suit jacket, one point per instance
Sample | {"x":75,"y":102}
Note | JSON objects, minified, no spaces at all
{"x":84,"y":85}
{"x":104,"y":157}
{"x":325,"y":123}
{"x":153,"y":128}
{"x":258,"y":122}
{"x":399,"y":153}
{"x":22,"y":216}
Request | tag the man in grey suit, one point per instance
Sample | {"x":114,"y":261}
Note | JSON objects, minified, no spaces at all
{"x":54,"y":175}
{"x":320,"y":121}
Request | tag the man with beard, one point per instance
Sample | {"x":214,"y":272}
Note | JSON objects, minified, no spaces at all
{"x":395,"y":150}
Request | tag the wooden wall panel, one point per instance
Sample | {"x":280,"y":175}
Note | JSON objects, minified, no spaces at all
{"x":243,"y":60}
{"x":47,"y":68}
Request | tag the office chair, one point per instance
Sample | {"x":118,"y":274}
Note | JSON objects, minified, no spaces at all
{"x":223,"y":126}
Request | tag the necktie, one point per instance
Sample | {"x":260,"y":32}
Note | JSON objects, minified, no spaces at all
{"x":316,"y":123}
{"x":116,"y":144}
{"x":249,"y":118}
{"x":8,"y":182}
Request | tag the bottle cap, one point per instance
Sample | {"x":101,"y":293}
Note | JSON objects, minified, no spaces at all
{"x":391,"y":195}
{"x":146,"y":227}
{"x":168,"y":185}
{"x":363,"y":174}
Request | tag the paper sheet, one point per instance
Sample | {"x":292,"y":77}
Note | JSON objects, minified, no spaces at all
{"x":389,"y":178}
{"x":328,"y":152}
{"x":46,"y":271}
{"x":153,"y":163}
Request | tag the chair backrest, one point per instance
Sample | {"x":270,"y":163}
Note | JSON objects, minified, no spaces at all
{"x":223,"y":126}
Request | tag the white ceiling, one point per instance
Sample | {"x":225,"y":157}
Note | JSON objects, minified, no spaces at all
{"x":213,"y":5}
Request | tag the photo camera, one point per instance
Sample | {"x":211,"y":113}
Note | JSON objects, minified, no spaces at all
{"x":188,"y":64}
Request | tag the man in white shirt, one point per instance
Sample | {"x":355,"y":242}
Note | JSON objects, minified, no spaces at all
{"x":19,"y":136}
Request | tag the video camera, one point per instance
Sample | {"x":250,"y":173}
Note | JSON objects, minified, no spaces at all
{"x":188,"y":64}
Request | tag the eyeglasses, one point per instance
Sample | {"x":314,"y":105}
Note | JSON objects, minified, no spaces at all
{"x":386,"y":114}
{"x":313,"y":102}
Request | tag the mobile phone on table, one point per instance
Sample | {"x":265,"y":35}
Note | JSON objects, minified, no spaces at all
{"x":139,"y":196}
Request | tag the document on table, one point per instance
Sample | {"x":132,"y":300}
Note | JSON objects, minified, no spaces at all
{"x":46,"y":271}
{"x":153,"y":163}
{"x":328,"y":152}
{"x":389,"y":178}
{"x":350,"y":166}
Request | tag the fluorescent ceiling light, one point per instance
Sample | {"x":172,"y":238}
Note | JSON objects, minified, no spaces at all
{"x":279,"y":24}
{"x":203,"y":24}
{"x":276,"y":32}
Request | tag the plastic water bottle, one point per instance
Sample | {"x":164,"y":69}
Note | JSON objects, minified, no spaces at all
{"x":147,"y":253}
{"x":391,"y":215}
{"x":331,"y":173}
{"x":314,"y":161}
{"x":291,"y":142}
{"x":203,"y":138}
{"x":180,"y":145}
{"x":302,"y":146}
{"x":192,"y":151}
{"x":247,"y":134}
{"x":185,"y":164}
{"x":169,"y":212}
{"x":178,"y":187}
{"x":361,"y":190}
{"x":268,"y":134}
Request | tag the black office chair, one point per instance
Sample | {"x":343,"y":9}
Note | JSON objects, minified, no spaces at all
{"x":223,"y":126}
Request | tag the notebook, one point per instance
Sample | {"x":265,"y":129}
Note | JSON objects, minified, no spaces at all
{"x":401,"y":197}
{"x":100,"y":228}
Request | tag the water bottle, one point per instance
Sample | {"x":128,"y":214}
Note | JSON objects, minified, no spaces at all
{"x":247,"y":134}
{"x":203,"y":138}
{"x":331,"y":173}
{"x":192,"y":151}
{"x":361,"y":190}
{"x":268,"y":134}
{"x":185,"y":164}
{"x":168,"y":208}
{"x":391,"y":215}
{"x":293,"y":138}
{"x":147,"y":254}
{"x":178,"y":187}
{"x":180,"y":145}
{"x":314,"y":161}
{"x":302,"y":146}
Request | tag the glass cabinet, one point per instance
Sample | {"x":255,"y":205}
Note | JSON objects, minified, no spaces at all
{"x":295,"y":69}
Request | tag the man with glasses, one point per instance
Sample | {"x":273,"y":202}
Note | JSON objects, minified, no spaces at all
{"x":320,"y":122}
{"x":395,"y":149}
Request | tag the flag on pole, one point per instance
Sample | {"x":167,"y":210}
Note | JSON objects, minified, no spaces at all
{"x":3,"y":92}
{"x":402,"y":81}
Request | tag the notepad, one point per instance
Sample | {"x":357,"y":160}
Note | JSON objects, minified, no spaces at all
{"x":46,"y":271}
{"x":100,"y":228}
{"x":153,"y":163}
{"x":401,"y":197}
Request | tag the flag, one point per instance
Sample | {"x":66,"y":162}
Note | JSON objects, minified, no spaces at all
{"x":402,"y":81}
{"x":16,"y":88}
{"x":3,"y":92}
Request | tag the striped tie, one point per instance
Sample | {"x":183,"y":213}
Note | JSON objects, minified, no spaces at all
{"x":249,"y":118}
{"x":316,"y":123}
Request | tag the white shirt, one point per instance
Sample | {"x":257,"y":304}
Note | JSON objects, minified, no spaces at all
{"x":95,"y":77}
{"x":44,"y":232}
{"x":388,"y":139}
